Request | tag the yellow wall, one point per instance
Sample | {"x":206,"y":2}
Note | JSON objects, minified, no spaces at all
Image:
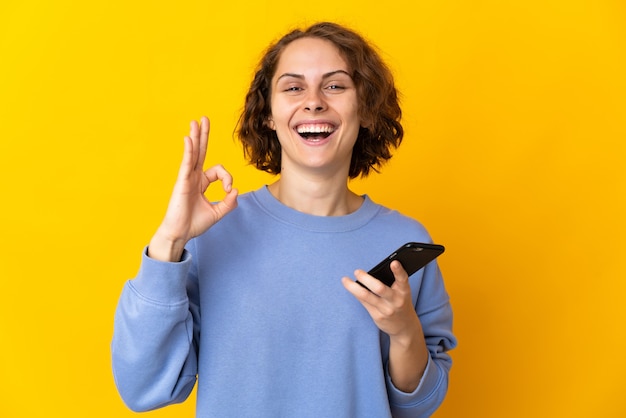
{"x":514,"y":158}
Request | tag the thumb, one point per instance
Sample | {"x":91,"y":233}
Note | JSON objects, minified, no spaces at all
{"x":399,"y":273}
{"x":227,"y":204}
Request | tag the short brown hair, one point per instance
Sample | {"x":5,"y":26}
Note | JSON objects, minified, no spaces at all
{"x":377,"y":97}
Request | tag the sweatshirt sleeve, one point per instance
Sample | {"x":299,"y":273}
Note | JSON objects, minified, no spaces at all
{"x":154,"y":339}
{"x":435,"y":313}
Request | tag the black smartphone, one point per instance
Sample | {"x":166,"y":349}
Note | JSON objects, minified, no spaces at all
{"x":412,"y":255}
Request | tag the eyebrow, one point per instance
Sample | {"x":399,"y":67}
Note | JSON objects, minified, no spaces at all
{"x":300,"y":76}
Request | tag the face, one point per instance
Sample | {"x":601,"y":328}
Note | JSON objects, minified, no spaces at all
{"x":314,"y":108}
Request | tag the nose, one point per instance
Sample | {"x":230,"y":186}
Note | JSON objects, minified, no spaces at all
{"x":314,"y":101}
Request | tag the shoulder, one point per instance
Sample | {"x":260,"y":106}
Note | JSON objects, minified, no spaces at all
{"x":398,"y":223}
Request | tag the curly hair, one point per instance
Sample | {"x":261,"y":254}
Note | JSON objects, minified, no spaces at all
{"x":378,"y":105}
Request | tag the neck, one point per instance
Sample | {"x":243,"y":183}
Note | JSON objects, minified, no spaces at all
{"x":316,"y":197}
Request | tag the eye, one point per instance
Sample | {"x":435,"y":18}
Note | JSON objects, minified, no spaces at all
{"x":335,"y":87}
{"x":290,"y":87}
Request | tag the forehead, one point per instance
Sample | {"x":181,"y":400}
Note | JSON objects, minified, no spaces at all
{"x":308,"y":55}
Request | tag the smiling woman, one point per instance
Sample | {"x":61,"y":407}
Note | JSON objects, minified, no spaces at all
{"x":312,"y":92}
{"x":362,"y":68}
{"x":284,"y":331}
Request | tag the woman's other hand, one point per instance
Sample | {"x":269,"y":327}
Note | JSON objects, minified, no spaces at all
{"x":391,"y":308}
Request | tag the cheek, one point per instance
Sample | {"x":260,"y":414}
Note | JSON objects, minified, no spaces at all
{"x":281,"y":112}
{"x":353,"y":110}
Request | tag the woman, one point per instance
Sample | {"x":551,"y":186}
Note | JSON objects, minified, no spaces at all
{"x":252,"y":294}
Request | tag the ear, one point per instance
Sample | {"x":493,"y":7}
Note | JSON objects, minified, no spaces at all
{"x":365,"y":123}
{"x":270,"y":123}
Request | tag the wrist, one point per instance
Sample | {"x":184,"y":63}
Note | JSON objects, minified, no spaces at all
{"x":408,"y":335}
{"x":408,"y":359}
{"x":162,"y":248}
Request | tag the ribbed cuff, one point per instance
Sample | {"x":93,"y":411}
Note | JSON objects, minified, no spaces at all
{"x":162,"y":282}
{"x":427,"y":386}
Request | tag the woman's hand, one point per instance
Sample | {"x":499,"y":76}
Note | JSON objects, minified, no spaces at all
{"x":189,"y":212}
{"x":392,"y":310}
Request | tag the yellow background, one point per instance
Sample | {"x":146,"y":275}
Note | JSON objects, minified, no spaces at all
{"x":514,"y":158}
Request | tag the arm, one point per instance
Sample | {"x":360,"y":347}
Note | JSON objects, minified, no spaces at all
{"x":419,"y":329}
{"x":154,"y":347}
{"x":392,"y":310}
{"x":154,"y":342}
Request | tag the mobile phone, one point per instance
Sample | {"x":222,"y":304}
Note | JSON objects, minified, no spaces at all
{"x":412,"y":255}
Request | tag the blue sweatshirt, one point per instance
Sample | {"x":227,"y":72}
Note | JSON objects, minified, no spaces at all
{"x":256,"y":311}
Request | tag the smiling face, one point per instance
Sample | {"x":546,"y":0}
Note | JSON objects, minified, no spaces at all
{"x":314,"y":108}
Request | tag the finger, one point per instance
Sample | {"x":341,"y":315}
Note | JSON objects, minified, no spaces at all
{"x":194,"y":134}
{"x":205,"y":127}
{"x":218,"y":172}
{"x":398,"y":271}
{"x":369,"y":300}
{"x":373,"y":284}
{"x":187,"y":164}
{"x":357,"y":289}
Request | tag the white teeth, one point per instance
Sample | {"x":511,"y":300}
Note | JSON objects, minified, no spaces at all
{"x":315,"y":129}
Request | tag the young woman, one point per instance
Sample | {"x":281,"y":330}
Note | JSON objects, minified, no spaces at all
{"x":252,"y":295}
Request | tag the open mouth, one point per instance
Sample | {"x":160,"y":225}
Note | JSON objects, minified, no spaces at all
{"x":315,"y":131}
